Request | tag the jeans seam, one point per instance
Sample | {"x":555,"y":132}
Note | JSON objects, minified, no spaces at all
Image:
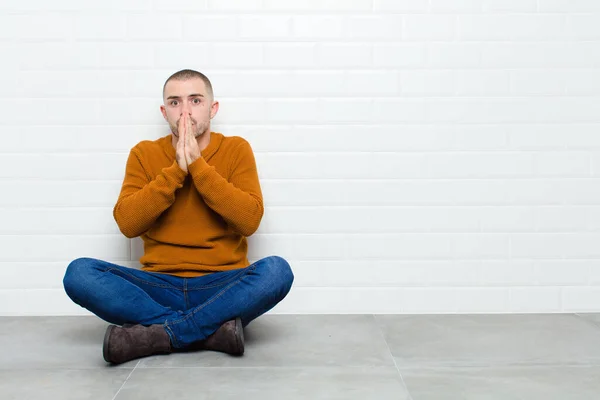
{"x":169,"y":286}
{"x":243,"y":271}
{"x":197,"y":309}
{"x":200,"y":307}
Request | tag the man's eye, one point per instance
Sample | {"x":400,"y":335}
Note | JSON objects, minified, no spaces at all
{"x":196,"y":101}
{"x":174,"y":102}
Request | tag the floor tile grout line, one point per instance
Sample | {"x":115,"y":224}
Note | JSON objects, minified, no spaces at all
{"x":126,"y":379}
{"x":590,"y":320}
{"x":391,"y":355}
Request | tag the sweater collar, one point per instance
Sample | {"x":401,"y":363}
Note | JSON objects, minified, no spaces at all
{"x":214,"y":144}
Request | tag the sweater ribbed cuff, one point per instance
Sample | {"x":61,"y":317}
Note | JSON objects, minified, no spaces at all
{"x":175,"y":171}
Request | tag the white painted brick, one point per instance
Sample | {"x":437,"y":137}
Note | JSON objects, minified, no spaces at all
{"x":455,"y":6}
{"x":507,"y":219}
{"x":403,"y":55}
{"x":78,"y":166}
{"x":399,"y":110}
{"x":429,"y":27}
{"x":535,"y":192}
{"x":264,"y":83}
{"x":480,"y":246}
{"x":372,"y":83}
{"x":537,"y":245}
{"x":35,"y":27}
{"x":581,"y":245}
{"x":321,"y":83}
{"x":569,"y":6}
{"x":241,"y":111}
{"x":409,"y":192}
{"x":594,"y":273}
{"x":205,"y":28}
{"x":180,"y":5}
{"x":235,"y":5}
{"x":360,"y":219}
{"x":345,"y":111}
{"x":561,"y":219}
{"x":482,"y":83}
{"x":592,"y":217}
{"x":410,"y":6}
{"x":453,"y":55}
{"x":595,"y":161}
{"x":581,"y":82}
{"x":100,"y":27}
{"x":293,"y":110}
{"x":579,"y":191}
{"x":536,"y":82}
{"x":289,"y":55}
{"x":69,"y":56}
{"x":473,"y":27}
{"x":564,"y":164}
{"x":480,"y":138}
{"x":428,"y":82}
{"x":130,"y":111}
{"x":154,"y":27}
{"x":344,"y":55}
{"x":179,"y":56}
{"x":563,"y":272}
{"x":75,"y":5}
{"x":318,"y":5}
{"x":381,"y":27}
{"x":272,"y":27}
{"x":582,"y":27}
{"x":317,"y":27}
{"x":553,"y":137}
{"x":313,"y":166}
{"x":61,"y":193}
{"x":515,"y":273}
{"x":63,"y":247}
{"x":539,"y":55}
{"x":68,"y":221}
{"x":581,"y":299}
{"x":484,"y":165}
{"x":61,"y":138}
{"x":230,"y":55}
{"x":482,"y":300}
{"x":538,"y":300}
{"x":509,"y":5}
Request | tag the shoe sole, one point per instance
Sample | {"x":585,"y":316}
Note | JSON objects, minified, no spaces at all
{"x":105,"y":352}
{"x":239,"y":335}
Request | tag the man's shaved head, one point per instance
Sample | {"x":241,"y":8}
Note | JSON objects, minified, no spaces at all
{"x":186,"y":74}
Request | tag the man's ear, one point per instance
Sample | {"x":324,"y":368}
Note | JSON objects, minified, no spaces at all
{"x":163,"y":110}
{"x":214,"y":109}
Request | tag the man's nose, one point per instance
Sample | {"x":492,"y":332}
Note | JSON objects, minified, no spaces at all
{"x":186,"y":110}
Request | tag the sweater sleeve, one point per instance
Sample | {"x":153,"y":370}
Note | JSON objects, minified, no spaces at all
{"x":141,"y":200}
{"x":239,"y":201}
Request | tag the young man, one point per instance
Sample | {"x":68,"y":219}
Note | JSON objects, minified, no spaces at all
{"x":193,"y":196}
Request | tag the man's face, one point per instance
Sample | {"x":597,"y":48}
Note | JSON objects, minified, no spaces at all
{"x":188,"y":96}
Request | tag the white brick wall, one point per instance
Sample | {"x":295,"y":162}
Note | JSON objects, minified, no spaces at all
{"x":416,"y":156}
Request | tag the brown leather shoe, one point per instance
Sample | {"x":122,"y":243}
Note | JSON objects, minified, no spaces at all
{"x":229,"y":338}
{"x":123,"y":344}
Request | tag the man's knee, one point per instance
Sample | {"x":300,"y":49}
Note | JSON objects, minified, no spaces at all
{"x":75,"y":275}
{"x":281,"y":272}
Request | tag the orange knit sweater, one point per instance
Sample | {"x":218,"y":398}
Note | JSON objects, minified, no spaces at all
{"x":191,"y":224}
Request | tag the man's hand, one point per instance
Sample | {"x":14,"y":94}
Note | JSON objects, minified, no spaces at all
{"x":192,"y":150}
{"x":180,"y":152}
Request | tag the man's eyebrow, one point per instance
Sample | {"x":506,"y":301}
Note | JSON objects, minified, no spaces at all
{"x":191,"y":95}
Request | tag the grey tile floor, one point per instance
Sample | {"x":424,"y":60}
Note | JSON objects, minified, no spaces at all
{"x":418,"y":357}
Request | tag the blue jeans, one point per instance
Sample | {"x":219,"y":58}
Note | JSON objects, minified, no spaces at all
{"x":190,"y":309}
